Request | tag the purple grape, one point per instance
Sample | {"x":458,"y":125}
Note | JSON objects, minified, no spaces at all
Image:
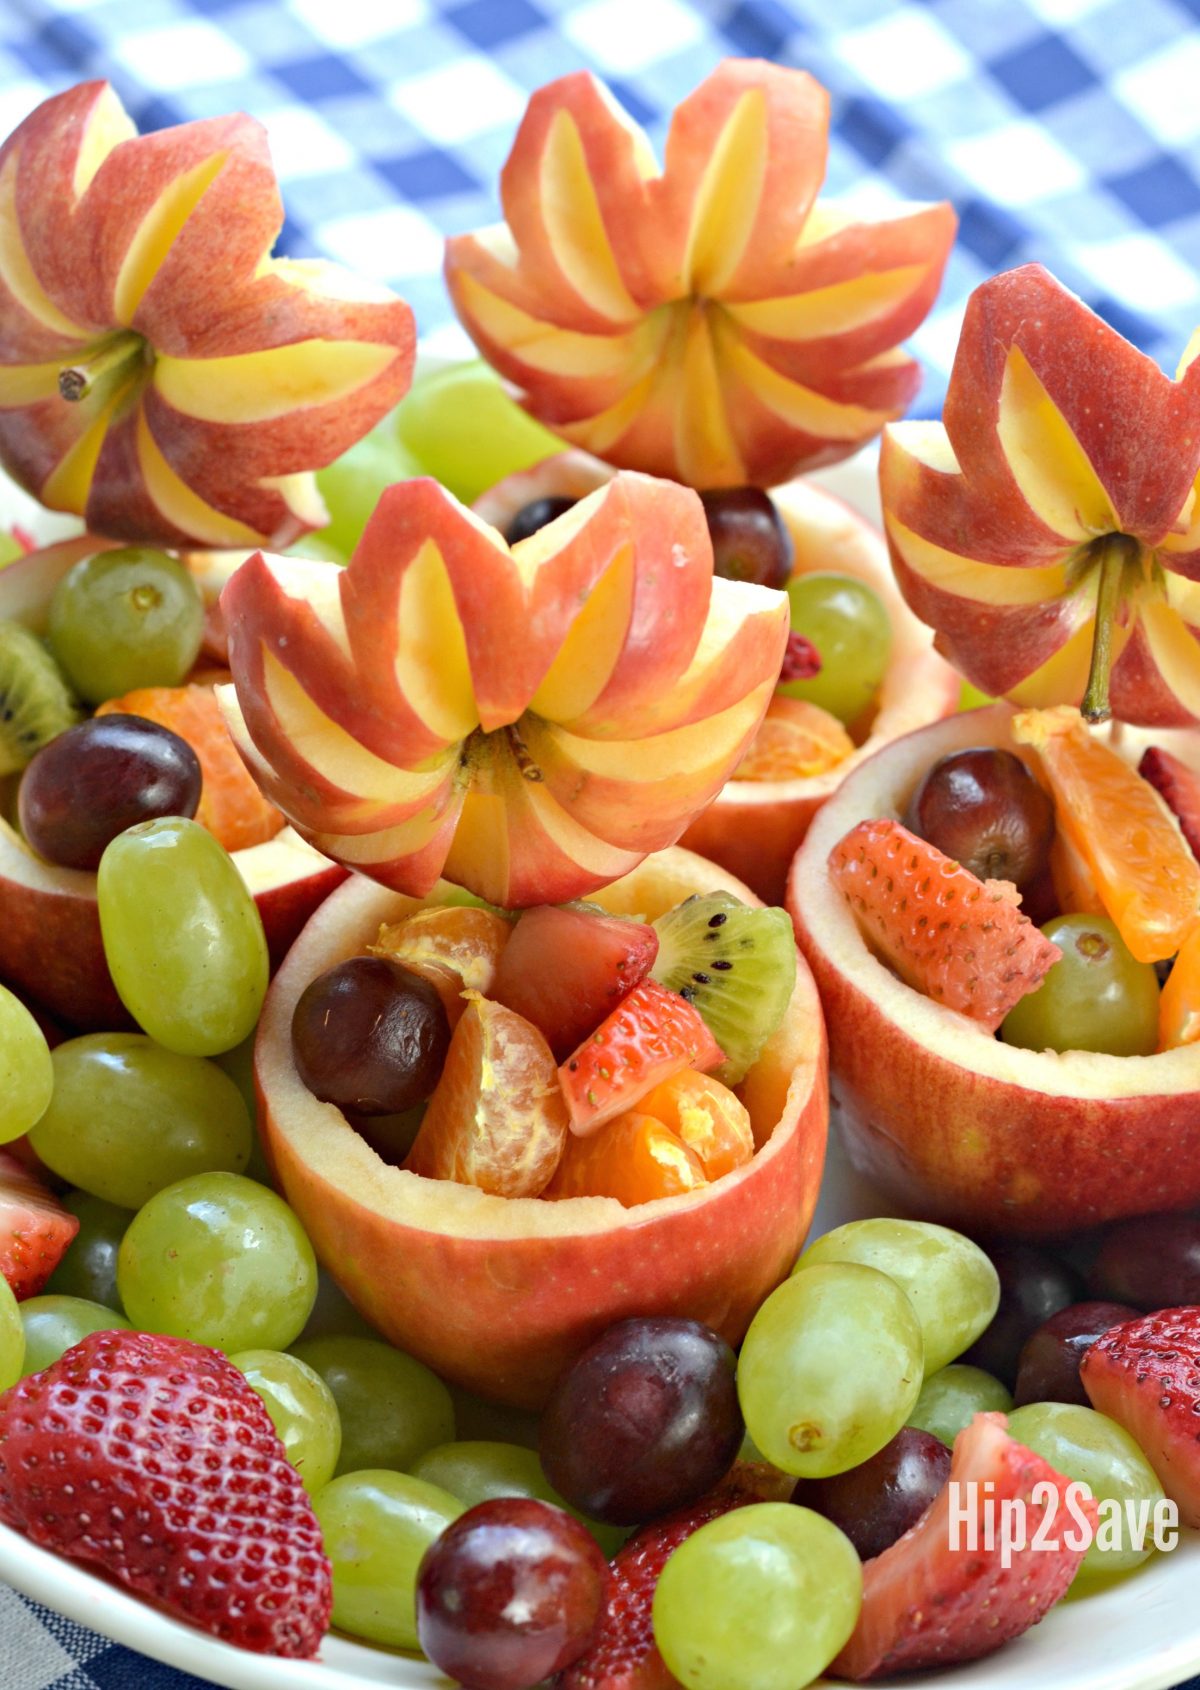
{"x":536,"y":514}
{"x":1152,"y":1262}
{"x":100,"y":777}
{"x":646,"y":1420}
{"x":983,"y":808}
{"x":509,"y":1594}
{"x":370,"y":1036}
{"x":877,"y":1502}
{"x":1033,"y":1286}
{"x":749,"y":540}
{"x":1048,"y":1370}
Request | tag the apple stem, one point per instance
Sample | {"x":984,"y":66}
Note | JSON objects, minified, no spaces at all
{"x":1115,"y":551}
{"x":78,"y":381}
{"x":522,"y":755}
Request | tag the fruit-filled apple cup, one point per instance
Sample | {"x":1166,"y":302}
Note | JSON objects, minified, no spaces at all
{"x":498,"y":1293}
{"x":954,"y":1122}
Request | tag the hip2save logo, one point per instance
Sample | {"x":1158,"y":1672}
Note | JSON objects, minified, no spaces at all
{"x":979,"y":1521}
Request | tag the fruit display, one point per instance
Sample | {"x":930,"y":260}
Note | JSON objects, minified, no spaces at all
{"x":1015,"y":1135}
{"x":414,"y":1099}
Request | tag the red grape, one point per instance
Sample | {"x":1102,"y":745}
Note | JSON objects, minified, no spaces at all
{"x":1033,"y":1286}
{"x":536,"y":514}
{"x":749,"y":540}
{"x":100,"y":777}
{"x":646,"y":1420}
{"x":370,"y":1036}
{"x":983,"y":808}
{"x":509,"y":1594}
{"x":877,"y":1502}
{"x":1048,"y":1370}
{"x":1152,"y":1262}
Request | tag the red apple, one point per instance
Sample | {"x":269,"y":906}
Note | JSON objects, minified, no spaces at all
{"x":753,"y":828}
{"x":162,"y":374}
{"x":500,"y":1294}
{"x":955,"y":1124}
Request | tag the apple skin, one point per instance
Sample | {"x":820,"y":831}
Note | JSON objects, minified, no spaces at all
{"x":500,"y":1295}
{"x":953,"y":1124}
{"x":50,"y":943}
{"x":753,"y":828}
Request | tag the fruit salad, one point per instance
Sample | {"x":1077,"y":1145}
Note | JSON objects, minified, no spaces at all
{"x":410,"y":1147}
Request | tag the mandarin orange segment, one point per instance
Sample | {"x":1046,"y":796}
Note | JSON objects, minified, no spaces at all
{"x":795,"y":741}
{"x":1179,"y":1004}
{"x":707,"y":1117}
{"x":231,"y":805}
{"x":633,"y":1157}
{"x":455,"y":948}
{"x":1074,"y":884}
{"x":497,"y":1119}
{"x":1147,"y":878}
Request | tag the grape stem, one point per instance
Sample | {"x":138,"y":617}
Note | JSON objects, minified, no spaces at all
{"x":1115,"y":552}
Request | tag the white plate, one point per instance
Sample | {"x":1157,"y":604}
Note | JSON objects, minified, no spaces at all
{"x":1142,"y":1635}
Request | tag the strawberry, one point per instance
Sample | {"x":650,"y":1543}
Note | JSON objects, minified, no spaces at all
{"x":622,"y":1654}
{"x":651,"y":1035}
{"x":564,"y":969}
{"x":926,"y":1604}
{"x":1178,"y":786}
{"x":1145,"y":1375}
{"x":35,"y":1229}
{"x":152,"y":1458}
{"x":962,"y":941}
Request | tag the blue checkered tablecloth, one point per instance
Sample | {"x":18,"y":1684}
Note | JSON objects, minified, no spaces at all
{"x":1063,"y":130}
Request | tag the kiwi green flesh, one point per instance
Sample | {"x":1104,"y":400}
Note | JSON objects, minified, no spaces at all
{"x":36,"y":704}
{"x":737,"y":966}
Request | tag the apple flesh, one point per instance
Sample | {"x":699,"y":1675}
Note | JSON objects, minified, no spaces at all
{"x":956,"y":1125}
{"x":499,"y":1294}
{"x":753,"y":828}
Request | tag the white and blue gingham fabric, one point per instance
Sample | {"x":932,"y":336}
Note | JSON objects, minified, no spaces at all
{"x":1063,"y":130}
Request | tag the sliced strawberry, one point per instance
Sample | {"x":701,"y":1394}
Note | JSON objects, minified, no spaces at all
{"x":622,"y":1654}
{"x":652,"y":1034}
{"x":1179,"y":786}
{"x":564,"y":969}
{"x":1145,"y":1375}
{"x":926,"y":1604}
{"x":960,"y":940}
{"x":152,"y":1459}
{"x":35,"y":1229}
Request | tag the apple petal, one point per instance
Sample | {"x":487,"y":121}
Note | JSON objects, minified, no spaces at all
{"x":530,"y":721}
{"x":709,"y":323}
{"x":160,"y":374}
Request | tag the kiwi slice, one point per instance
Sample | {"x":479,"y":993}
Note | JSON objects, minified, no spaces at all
{"x":36,"y":704}
{"x":736,"y":964}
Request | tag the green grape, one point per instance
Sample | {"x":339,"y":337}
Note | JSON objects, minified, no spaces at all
{"x":952,"y":1397}
{"x":950,"y":1282}
{"x":221,"y":1260}
{"x":351,"y":485}
{"x":53,"y":1324}
{"x":12,"y":1337}
{"x":377,"y":1527}
{"x":182,"y":936}
{"x":316,"y":547}
{"x":10,"y":548}
{"x":847,"y":622}
{"x":26,"y":1073}
{"x":392,"y":1407}
{"x":493,"y":1422}
{"x":88,"y":1270}
{"x":1097,"y":996}
{"x":970,"y":697}
{"x":462,"y":427}
{"x":830,"y":1368}
{"x":1093,"y":1449}
{"x":476,"y":1470}
{"x":128,"y":1118}
{"x":762,"y":1598}
{"x":334,"y":1315}
{"x":302,"y":1410}
{"x":125,"y":619}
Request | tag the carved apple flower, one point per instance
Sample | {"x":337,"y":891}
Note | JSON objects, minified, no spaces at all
{"x":160,"y":374}
{"x":529,"y":722}
{"x":1048,"y":528}
{"x":710,"y":321}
